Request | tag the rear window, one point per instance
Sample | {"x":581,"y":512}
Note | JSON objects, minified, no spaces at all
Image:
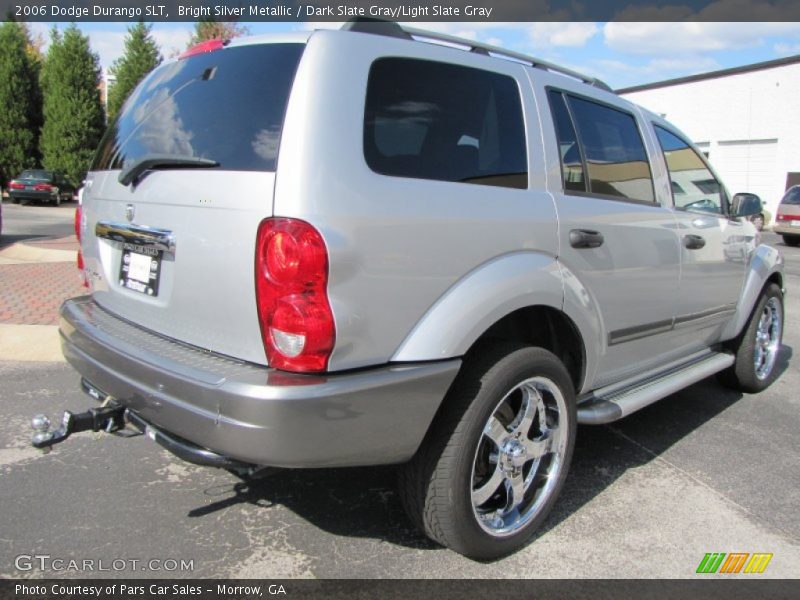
{"x":792,"y":196}
{"x":432,"y":120}
{"x":43,"y":175}
{"x":227,"y":106}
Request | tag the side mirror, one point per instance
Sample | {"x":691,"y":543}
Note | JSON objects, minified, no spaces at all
{"x":745,"y":205}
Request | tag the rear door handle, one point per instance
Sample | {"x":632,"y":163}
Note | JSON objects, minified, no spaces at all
{"x":585,"y":238}
{"x":693,"y":242}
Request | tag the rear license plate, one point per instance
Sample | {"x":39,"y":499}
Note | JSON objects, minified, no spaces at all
{"x":140,"y":269}
{"x":795,"y":223}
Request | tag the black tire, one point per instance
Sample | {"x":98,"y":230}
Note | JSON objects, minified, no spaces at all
{"x":436,"y":486}
{"x":791,"y":240}
{"x":743,"y":375}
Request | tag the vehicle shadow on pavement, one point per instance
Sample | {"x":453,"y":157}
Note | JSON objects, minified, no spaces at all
{"x":8,"y":240}
{"x":364,"y":502}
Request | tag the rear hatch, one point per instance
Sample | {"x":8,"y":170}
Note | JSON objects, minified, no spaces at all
{"x":171,"y":246}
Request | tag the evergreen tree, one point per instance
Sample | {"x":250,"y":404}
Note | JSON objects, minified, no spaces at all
{"x":205,"y":30}
{"x":20,"y":108}
{"x":141,"y":56}
{"x":73,"y":113}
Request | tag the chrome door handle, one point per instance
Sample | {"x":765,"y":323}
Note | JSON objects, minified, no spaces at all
{"x":693,"y":242}
{"x":584,"y":238}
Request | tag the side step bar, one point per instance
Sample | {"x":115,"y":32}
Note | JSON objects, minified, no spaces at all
{"x":612,"y":403}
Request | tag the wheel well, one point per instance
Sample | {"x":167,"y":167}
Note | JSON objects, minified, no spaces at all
{"x":775,"y":278}
{"x":545,"y":327}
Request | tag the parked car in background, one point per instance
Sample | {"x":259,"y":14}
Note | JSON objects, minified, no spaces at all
{"x":787,"y":222}
{"x":50,"y":187}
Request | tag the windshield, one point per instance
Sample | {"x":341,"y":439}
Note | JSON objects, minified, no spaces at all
{"x":792,"y":196}
{"x":41,"y":175}
{"x":227,"y":106}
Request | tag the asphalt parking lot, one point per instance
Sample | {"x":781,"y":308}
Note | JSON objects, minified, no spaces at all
{"x":705,"y":470}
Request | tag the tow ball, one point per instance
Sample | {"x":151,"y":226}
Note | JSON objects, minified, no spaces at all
{"x":109,"y":418}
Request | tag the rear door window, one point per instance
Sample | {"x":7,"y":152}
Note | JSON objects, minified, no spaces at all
{"x":613,"y":150}
{"x":227,"y":106}
{"x":432,"y":120}
{"x":792,"y":196}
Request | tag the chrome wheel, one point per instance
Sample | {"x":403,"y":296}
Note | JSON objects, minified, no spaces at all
{"x":519,"y":456}
{"x":768,"y":338}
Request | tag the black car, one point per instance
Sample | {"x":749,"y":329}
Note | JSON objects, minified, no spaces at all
{"x":39,"y":184}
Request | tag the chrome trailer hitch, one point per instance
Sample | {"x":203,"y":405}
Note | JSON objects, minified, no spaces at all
{"x":109,"y":418}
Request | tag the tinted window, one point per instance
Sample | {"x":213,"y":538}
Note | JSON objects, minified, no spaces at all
{"x":430,"y":120}
{"x":700,"y":190}
{"x":614,"y":151}
{"x":792,"y":196}
{"x":37,"y":174}
{"x":569,"y":151}
{"x":227,"y":106}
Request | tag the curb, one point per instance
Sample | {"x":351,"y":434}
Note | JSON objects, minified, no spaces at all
{"x":23,"y":253}
{"x":30,"y":343}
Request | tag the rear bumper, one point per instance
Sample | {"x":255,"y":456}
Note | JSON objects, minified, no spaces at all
{"x":251,"y":413}
{"x":30,"y":195}
{"x":786,"y":229}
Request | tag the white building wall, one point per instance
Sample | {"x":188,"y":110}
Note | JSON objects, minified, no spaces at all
{"x":749,"y":123}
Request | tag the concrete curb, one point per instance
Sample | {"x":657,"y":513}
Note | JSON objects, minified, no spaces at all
{"x":22,"y":253}
{"x":30,"y":343}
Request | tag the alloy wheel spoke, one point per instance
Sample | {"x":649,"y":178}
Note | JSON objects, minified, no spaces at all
{"x":541,"y":445}
{"x":495,"y":431}
{"x":531,"y":403}
{"x":515,"y":490}
{"x":488,"y":489}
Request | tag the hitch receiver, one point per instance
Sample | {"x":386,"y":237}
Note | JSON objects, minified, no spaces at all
{"x":109,"y":418}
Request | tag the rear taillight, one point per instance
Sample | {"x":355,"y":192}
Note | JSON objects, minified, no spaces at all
{"x":292,"y":295}
{"x":78,"y":217}
{"x":43,"y":187}
{"x":16,"y":186}
{"x":782,"y":217}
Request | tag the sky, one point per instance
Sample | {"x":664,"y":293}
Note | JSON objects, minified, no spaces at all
{"x":620,"y":53}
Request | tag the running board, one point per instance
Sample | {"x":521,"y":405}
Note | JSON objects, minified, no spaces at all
{"x":612,"y":403}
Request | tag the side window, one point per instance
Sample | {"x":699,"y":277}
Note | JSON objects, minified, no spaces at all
{"x":569,"y":151}
{"x":431,"y":120}
{"x":699,"y":189}
{"x":616,"y":160}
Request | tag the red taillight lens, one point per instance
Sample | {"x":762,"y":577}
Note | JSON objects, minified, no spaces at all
{"x":782,"y":217}
{"x":292,"y":295}
{"x":78,"y":217}
{"x":203,"y":47}
{"x":78,"y":214}
{"x":43,"y":187}
{"x":16,"y":186}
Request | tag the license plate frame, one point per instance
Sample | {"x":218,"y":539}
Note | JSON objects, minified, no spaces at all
{"x":135,"y":273}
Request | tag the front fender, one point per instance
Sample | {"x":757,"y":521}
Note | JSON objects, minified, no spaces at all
{"x":764,"y":261}
{"x":480,"y":299}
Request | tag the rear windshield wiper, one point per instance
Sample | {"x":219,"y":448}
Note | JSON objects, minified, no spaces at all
{"x":159,"y":161}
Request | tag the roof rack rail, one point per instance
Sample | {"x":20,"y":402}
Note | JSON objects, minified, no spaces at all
{"x":376,"y":27}
{"x":392,"y":29}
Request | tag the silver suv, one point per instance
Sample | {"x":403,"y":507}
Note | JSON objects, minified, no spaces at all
{"x":387,"y":246}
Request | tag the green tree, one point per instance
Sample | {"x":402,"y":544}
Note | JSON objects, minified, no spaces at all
{"x":141,"y":56}
{"x":73,"y":113}
{"x":205,"y":30}
{"x":20,"y":102}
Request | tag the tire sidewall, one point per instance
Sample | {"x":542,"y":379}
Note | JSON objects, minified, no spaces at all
{"x":745,"y":369}
{"x":496,"y":383}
